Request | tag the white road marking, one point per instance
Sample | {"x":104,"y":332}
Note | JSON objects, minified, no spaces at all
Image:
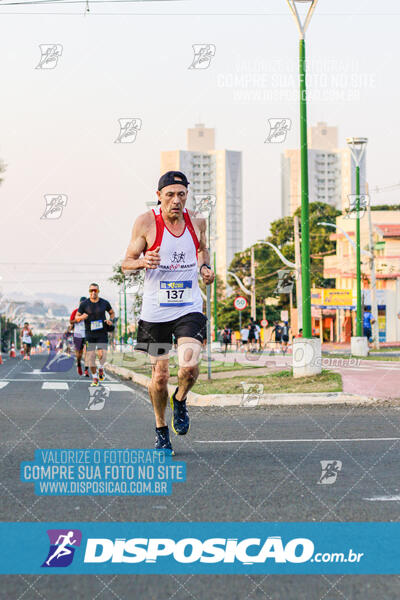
{"x":387,"y":439}
{"x":87,"y":381}
{"x":38,"y":372}
{"x":61,"y":384}
{"x":384,"y":498}
{"x":119,"y":387}
{"x":55,"y":385}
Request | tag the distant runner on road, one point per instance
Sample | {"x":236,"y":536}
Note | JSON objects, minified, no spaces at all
{"x":79,"y":340}
{"x":97,"y":325}
{"x":26,"y":340}
{"x":174,"y":249}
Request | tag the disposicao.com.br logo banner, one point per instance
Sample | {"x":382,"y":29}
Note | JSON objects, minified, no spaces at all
{"x":237,"y":548}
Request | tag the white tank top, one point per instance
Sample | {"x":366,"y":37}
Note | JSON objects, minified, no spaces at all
{"x":26,"y":338}
{"x":79,"y":329}
{"x":172,"y":290}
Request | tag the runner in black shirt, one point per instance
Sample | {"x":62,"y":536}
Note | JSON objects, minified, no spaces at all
{"x":278,"y":333}
{"x":93,"y":312}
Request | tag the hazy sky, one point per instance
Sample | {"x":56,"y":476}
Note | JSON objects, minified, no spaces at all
{"x":127,"y":60}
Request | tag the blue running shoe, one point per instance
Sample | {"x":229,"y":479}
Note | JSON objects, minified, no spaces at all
{"x":180,"y":419}
{"x":162,"y":441}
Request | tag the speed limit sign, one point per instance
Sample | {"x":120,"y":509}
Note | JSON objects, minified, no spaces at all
{"x":240,"y":303}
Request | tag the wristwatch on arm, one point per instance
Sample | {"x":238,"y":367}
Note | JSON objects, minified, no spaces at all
{"x":204,"y":265}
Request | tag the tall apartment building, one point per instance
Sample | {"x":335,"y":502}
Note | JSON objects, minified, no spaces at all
{"x":217,"y":172}
{"x":331,"y":175}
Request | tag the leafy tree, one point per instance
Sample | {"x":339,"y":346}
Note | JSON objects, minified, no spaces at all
{"x":268,"y":264}
{"x":133,"y":280}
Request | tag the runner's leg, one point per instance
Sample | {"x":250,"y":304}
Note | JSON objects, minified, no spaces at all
{"x":189,"y":350}
{"x":91,"y":357}
{"x":158,"y":388}
{"x":85,"y":358}
{"x":102,"y":354}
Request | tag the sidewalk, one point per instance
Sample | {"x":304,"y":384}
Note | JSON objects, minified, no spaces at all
{"x":251,"y":401}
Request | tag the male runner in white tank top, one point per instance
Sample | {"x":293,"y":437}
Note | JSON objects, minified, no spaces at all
{"x":175,"y":251}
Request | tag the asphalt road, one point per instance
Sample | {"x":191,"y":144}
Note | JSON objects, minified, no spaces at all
{"x":243,"y":464}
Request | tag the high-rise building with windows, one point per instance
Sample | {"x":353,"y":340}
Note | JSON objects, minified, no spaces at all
{"x":217,"y":172}
{"x":330,"y":173}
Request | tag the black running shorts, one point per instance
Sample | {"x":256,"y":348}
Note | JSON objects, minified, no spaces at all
{"x":79,"y":343}
{"x":156,"y":338}
{"x":97,"y":341}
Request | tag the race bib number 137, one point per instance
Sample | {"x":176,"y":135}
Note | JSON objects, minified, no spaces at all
{"x":175,"y":293}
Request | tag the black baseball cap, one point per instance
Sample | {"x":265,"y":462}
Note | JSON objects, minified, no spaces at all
{"x":82,"y":299}
{"x":172,"y":177}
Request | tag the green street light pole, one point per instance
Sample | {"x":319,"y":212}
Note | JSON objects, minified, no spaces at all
{"x":357,"y":147}
{"x":359,"y":330}
{"x":305,"y":230}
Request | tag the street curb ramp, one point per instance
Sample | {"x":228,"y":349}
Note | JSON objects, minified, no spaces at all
{"x":307,"y":399}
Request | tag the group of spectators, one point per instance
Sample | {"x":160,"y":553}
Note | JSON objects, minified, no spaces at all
{"x":249,"y":337}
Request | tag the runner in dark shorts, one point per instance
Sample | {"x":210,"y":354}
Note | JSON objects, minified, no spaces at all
{"x":93,"y":312}
{"x":157,"y":338}
{"x":79,"y":340}
{"x":285,"y":335}
{"x":252,"y":335}
{"x":277,"y":333}
{"x":170,"y":243}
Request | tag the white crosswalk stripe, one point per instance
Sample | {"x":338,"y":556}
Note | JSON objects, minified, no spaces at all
{"x":67,"y":385}
{"x":55,"y":385}
{"x":118,"y":387}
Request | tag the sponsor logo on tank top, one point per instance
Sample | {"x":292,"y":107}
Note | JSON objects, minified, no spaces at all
{"x":177,"y":263}
{"x":178,"y":257}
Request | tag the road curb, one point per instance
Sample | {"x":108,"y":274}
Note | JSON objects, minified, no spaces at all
{"x":307,"y":399}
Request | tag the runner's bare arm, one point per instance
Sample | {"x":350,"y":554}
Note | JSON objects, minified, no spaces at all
{"x":203,"y":254}
{"x":112,"y":317}
{"x":80,"y":317}
{"x":133,"y":260}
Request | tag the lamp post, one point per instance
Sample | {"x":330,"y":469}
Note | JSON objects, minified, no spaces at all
{"x":305,"y":242}
{"x":251,"y":281}
{"x":297,"y":269}
{"x":215,"y":299}
{"x":239,"y":282}
{"x":357,"y":147}
{"x":374,"y":300}
{"x":306,"y":350}
{"x":204,"y":205}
